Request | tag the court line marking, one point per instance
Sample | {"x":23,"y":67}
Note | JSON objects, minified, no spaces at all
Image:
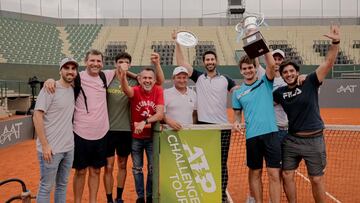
{"x":327,"y":193}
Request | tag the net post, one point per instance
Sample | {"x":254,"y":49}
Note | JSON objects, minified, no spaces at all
{"x":157,"y":129}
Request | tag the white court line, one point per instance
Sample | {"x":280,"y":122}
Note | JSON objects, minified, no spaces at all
{"x":229,"y":197}
{"x":328,"y":194}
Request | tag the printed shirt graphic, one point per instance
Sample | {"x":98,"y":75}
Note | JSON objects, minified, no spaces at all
{"x":257,"y":102}
{"x":143,"y":106}
{"x":119,"y":106}
{"x":301,"y":105}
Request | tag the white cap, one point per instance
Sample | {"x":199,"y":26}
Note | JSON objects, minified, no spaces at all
{"x":180,"y":69}
{"x":278,"y":51}
{"x":68,"y":60}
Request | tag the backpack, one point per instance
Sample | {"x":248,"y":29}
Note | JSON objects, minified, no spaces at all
{"x":78,"y":88}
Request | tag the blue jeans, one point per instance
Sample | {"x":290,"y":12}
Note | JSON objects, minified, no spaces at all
{"x":54,"y":173}
{"x":137,"y":154}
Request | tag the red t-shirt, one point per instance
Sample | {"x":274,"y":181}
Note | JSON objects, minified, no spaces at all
{"x":143,"y":105}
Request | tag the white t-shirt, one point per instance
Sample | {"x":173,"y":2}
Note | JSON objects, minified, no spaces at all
{"x":180,"y":106}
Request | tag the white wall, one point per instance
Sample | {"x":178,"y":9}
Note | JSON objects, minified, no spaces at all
{"x":180,"y":8}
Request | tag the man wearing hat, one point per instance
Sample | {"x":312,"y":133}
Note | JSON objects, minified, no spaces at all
{"x":180,"y":101}
{"x":55,"y":139}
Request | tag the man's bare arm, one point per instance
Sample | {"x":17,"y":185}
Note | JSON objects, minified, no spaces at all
{"x":155,"y":59}
{"x":326,"y":66}
{"x":38,"y":120}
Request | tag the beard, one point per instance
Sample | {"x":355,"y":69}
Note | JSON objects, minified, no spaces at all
{"x":68,"y":79}
{"x":210,"y":68}
{"x":293,"y":83}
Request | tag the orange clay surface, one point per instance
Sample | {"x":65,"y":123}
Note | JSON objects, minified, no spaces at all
{"x":21,"y":161}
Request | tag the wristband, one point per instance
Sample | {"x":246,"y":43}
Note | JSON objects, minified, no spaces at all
{"x":336,"y":42}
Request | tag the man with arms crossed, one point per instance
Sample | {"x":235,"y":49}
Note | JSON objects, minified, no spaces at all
{"x":147,"y":106}
{"x":180,"y":101}
{"x":119,"y":136}
{"x":55,"y":139}
{"x":211,"y":89}
{"x":255,"y":98}
{"x":305,"y":139}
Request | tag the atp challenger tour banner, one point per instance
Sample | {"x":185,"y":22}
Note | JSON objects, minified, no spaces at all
{"x":190,"y":166}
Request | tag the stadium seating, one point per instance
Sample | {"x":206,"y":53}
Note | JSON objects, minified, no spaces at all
{"x":113,"y":49}
{"x":290,"y":52}
{"x":27,"y":42}
{"x":356,"y":44}
{"x":166,"y":51}
{"x":322,"y":46}
{"x":201,"y":48}
{"x":81,"y":38}
{"x":304,"y":44}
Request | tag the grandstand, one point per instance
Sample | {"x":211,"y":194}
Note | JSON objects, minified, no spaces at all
{"x":303,"y":44}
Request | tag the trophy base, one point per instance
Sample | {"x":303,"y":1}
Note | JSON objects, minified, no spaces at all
{"x":255,"y":45}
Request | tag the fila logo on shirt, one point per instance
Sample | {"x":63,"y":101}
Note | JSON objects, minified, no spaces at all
{"x":291,"y":94}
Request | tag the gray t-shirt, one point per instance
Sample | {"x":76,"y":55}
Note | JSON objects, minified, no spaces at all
{"x":281,"y":117}
{"x":58,"y":111}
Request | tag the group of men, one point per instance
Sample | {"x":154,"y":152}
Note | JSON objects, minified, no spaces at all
{"x":85,"y":117}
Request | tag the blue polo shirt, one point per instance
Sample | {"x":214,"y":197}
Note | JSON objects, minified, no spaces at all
{"x":256,"y":100}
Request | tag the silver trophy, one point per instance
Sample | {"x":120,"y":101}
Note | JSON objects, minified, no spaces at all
{"x":254,"y":42}
{"x":186,"y":38}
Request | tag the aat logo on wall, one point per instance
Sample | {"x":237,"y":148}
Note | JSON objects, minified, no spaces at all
{"x":9,"y":132}
{"x":346,"y":89}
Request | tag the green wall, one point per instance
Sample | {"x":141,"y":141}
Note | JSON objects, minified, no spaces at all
{"x":23,"y":72}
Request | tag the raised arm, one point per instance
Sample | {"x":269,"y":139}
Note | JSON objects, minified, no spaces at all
{"x":180,"y":59}
{"x":38,"y":120}
{"x":325,"y":67}
{"x":270,"y":66}
{"x":155,"y":60}
{"x":124,"y":67}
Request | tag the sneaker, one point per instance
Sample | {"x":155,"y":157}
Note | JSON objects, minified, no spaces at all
{"x":119,"y":201}
{"x":148,"y":199}
{"x":250,"y":199}
{"x":140,"y":200}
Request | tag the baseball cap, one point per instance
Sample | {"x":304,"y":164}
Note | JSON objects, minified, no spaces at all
{"x":278,"y":51}
{"x":68,"y":60}
{"x":180,"y":69}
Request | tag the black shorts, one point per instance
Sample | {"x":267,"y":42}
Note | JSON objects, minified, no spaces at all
{"x":119,"y":141}
{"x":266,"y":146}
{"x":89,"y":152}
{"x":311,"y":149}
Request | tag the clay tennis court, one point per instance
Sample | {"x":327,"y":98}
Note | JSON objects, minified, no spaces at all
{"x":20,"y":161}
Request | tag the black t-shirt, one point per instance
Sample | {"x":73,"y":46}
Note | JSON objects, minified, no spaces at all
{"x":301,"y":105}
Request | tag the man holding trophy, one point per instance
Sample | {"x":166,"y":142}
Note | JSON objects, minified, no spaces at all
{"x":254,"y":97}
